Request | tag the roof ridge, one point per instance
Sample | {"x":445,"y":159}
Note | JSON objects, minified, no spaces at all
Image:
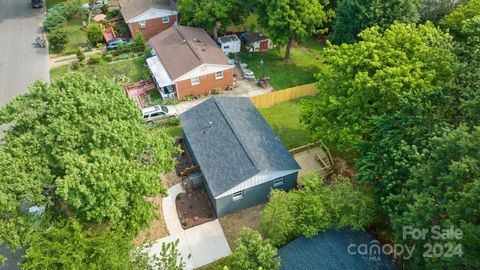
{"x":177,"y":28}
{"x":235,"y":133}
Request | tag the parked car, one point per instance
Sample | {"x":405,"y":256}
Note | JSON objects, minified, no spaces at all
{"x":37,"y":3}
{"x":114,"y":43}
{"x":97,"y":4}
{"x":158,"y":113}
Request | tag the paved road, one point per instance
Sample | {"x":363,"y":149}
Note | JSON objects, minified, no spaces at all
{"x":21,"y":62}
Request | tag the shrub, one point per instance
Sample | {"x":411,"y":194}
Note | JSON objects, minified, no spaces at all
{"x":252,"y":252}
{"x":70,"y":9}
{"x":94,"y":33}
{"x":53,"y":21}
{"x":188,"y":97}
{"x":139,"y":39}
{"x":75,"y":65}
{"x":123,"y":57}
{"x":94,"y":59}
{"x":108,"y":57}
{"x":216,"y":91}
{"x":112,"y":14}
{"x":80,"y":55}
{"x":147,"y":53}
{"x":104,"y":9}
{"x":58,"y":38}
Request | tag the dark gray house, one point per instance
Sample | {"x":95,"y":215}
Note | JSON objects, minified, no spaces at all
{"x":239,"y":155}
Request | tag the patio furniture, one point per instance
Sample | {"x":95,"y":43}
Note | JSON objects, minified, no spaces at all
{"x":248,"y":72}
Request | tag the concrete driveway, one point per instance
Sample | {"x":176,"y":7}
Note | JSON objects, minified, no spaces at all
{"x":199,"y":245}
{"x":21,"y":62}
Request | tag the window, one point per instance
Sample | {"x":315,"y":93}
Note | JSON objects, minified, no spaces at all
{"x":195,"y":81}
{"x":219,"y":75}
{"x":238,"y":195}
{"x":226,"y":47}
{"x":143,"y":24}
{"x":157,"y":114}
{"x":166,"y":19}
{"x":278,"y":182}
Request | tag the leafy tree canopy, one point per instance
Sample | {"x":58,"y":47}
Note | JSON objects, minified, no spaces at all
{"x":213,"y":14}
{"x":288,"y":20}
{"x":463,"y":11}
{"x":315,"y":208}
{"x":77,"y":148}
{"x":252,"y":252}
{"x":368,"y":78}
{"x":352,"y":16}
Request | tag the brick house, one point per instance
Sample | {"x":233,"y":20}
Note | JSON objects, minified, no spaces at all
{"x":149,"y":17}
{"x":188,"y":62}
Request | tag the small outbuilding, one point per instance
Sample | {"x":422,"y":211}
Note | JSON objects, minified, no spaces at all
{"x":256,"y":42}
{"x":336,"y":250}
{"x":229,"y":44}
{"x":239,"y":155}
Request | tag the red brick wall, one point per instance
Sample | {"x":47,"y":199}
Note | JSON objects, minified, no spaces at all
{"x":154,"y":26}
{"x":207,"y":83}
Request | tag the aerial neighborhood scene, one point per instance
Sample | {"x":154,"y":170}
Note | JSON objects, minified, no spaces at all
{"x":240,"y":134}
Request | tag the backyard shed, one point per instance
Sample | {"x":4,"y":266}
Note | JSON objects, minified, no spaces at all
{"x":256,"y":41}
{"x":229,"y":44}
{"x":238,"y":153}
{"x":336,"y":250}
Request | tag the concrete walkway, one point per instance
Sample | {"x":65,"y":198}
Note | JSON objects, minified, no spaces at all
{"x":204,"y":243}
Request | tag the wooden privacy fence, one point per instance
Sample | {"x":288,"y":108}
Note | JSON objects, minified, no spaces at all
{"x":269,"y":99}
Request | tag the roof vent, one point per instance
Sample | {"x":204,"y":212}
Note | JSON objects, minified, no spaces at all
{"x":184,"y":41}
{"x":210,"y":124}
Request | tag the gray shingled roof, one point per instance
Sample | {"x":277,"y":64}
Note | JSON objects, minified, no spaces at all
{"x":236,"y":146}
{"x":330,"y":251}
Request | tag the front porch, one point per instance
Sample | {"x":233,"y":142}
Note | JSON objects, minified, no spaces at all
{"x":164,"y":83}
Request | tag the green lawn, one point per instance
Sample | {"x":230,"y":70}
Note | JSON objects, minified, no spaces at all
{"x":133,"y":69}
{"x":305,"y":62}
{"x":174,"y":131}
{"x":77,"y":37}
{"x":284,"y":120}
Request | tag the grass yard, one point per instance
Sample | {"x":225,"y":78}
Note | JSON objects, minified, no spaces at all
{"x":77,"y":37}
{"x":133,"y":69}
{"x":174,"y":131}
{"x":305,"y":62}
{"x":285,"y":122}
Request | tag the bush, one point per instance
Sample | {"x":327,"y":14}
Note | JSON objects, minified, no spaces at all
{"x":147,"y":53}
{"x":216,"y":91}
{"x":104,"y":9}
{"x":315,"y":208}
{"x":188,"y":98}
{"x":252,"y":252}
{"x":94,"y":33}
{"x":94,"y":59}
{"x":108,"y":57}
{"x":75,"y":65}
{"x":58,"y":39}
{"x":70,"y":9}
{"x":123,"y":57}
{"x":139,"y":39}
{"x":112,"y":14}
{"x":80,"y":55}
{"x":53,"y":21}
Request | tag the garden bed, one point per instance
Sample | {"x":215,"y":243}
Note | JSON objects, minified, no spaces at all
{"x":194,"y":208}
{"x":184,"y":160}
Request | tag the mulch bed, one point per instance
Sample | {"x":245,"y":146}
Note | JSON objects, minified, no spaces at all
{"x":183,"y":159}
{"x":194,"y":208}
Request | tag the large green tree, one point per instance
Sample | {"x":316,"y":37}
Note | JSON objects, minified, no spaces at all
{"x":77,"y":148}
{"x":214,"y":15}
{"x":368,"y":79}
{"x":253,"y":252}
{"x":465,"y":10}
{"x":353,"y":16}
{"x":288,"y":20}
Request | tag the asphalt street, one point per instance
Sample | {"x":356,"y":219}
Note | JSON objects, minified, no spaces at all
{"x":21,"y":61}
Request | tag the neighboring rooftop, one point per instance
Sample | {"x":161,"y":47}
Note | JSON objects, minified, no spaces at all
{"x":250,"y":37}
{"x":132,"y":8}
{"x":330,"y":251}
{"x":229,"y":38}
{"x":182,"y":49}
{"x":232,"y":142}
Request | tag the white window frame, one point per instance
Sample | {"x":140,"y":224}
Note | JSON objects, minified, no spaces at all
{"x":143,"y":24}
{"x":278,"y":182}
{"x":167,"y":19}
{"x":219,"y":77}
{"x":195,"y":81}
{"x":238,"y":195}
